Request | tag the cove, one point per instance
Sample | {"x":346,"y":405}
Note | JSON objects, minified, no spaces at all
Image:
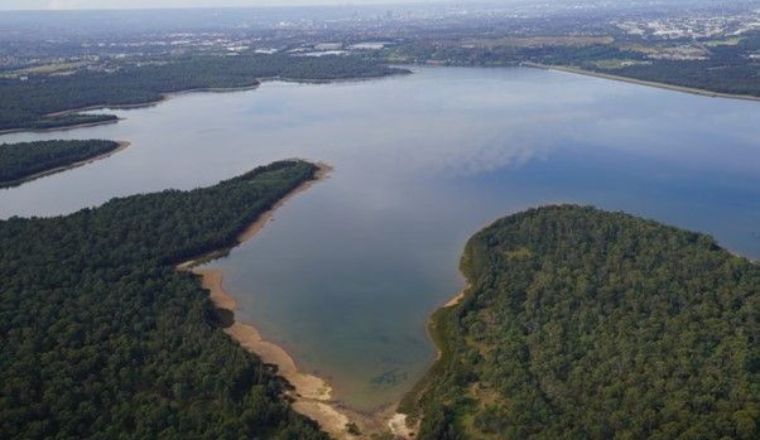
{"x":347,"y":274}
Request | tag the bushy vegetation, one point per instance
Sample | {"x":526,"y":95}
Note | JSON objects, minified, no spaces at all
{"x":25,"y":104}
{"x":24,"y":159}
{"x":585,"y":324}
{"x":728,"y":69}
{"x":739,"y":78}
{"x":103,"y":338}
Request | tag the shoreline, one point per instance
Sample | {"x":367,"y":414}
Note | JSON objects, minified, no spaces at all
{"x":402,"y":71}
{"x":147,"y":104}
{"x":641,"y":82}
{"x":458,"y":298}
{"x":430,"y":324}
{"x":311,"y":395}
{"x":122,"y":145}
{"x":406,"y":412}
{"x":61,"y":128}
{"x":169,"y":95}
{"x":322,"y":173}
{"x":405,"y":415}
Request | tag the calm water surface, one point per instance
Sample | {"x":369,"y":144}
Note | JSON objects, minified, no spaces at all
{"x":348,"y":273}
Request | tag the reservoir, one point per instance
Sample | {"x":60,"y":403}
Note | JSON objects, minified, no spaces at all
{"x":347,"y":274}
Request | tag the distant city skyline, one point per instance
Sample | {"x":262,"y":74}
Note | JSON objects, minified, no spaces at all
{"x":140,"y":4}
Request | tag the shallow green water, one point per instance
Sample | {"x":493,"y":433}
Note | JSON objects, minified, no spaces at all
{"x":348,"y":273}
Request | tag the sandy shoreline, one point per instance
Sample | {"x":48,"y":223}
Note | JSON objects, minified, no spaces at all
{"x":14,"y":183}
{"x":312,"y":395}
{"x":450,"y":303}
{"x":659,"y":85}
{"x":457,"y":299}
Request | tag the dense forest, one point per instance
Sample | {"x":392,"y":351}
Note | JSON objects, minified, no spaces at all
{"x":739,"y":78}
{"x":584,"y":324}
{"x":21,"y":160}
{"x":728,"y":69}
{"x":102,"y":337}
{"x":26,"y":104}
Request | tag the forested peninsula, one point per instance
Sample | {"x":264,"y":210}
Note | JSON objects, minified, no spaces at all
{"x":42,"y":102}
{"x":103,"y":337}
{"x":25,"y":161}
{"x":580,"y":323}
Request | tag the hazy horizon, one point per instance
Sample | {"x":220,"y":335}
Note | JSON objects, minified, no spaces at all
{"x":64,"y":5}
{"x":57,"y":5}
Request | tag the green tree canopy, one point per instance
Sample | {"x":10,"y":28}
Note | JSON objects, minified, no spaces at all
{"x":102,"y":338}
{"x":586,"y":324}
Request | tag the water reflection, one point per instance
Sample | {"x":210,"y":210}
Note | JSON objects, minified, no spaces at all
{"x":348,"y":273}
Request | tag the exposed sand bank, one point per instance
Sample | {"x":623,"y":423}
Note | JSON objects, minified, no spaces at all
{"x":457,"y":299}
{"x":451,"y":303}
{"x":255,"y":227}
{"x":399,"y":423}
{"x":121,"y":146}
{"x":399,"y":428}
{"x":312,"y":395}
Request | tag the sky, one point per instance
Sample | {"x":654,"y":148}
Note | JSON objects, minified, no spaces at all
{"x":136,"y":4}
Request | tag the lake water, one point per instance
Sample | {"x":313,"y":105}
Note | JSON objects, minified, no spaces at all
{"x":347,"y":274}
